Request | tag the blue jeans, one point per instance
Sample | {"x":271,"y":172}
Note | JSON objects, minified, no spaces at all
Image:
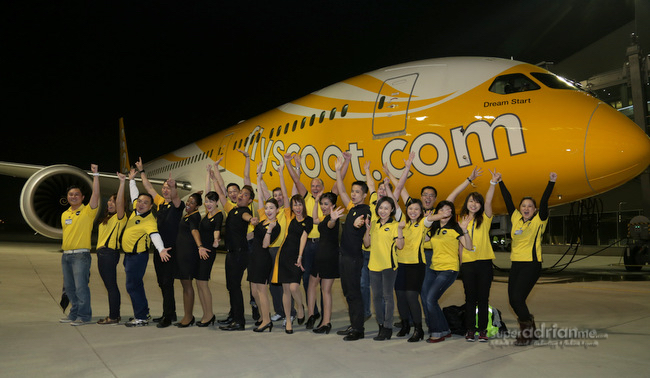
{"x":365,"y":284}
{"x":134,"y":266}
{"x":76,"y":274}
{"x":435,"y":284}
{"x":107,"y":260}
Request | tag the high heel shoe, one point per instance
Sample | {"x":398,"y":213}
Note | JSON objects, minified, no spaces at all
{"x":288,"y":331}
{"x":310,"y":322}
{"x":302,"y":320}
{"x":268,"y":325}
{"x":181,"y":325}
{"x":326,"y":328}
{"x":209,"y":322}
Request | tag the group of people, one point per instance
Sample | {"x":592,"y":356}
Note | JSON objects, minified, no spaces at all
{"x":305,"y":237}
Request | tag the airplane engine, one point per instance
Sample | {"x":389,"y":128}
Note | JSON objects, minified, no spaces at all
{"x":44,"y":197}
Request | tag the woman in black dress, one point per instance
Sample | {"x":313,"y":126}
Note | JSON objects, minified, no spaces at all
{"x":188,"y":247}
{"x":261,"y":263}
{"x":288,"y":264}
{"x":326,"y":260}
{"x":210,"y":232}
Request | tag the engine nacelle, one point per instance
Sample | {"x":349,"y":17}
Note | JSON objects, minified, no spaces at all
{"x":44,"y":197}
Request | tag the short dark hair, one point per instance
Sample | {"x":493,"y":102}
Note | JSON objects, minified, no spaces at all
{"x":274,"y":202}
{"x":363,"y":185}
{"x":330,"y":196}
{"x":250,"y":190}
{"x":390,"y":201}
{"x":212,"y":196}
{"x":232,"y":184}
{"x":197,"y":198}
{"x":435,"y":192}
{"x":298,"y":198}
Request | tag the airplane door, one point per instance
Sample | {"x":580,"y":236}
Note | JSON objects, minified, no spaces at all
{"x":222,"y":149}
{"x":392,"y":105}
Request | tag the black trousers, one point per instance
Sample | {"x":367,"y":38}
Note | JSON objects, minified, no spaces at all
{"x":350,"y":269}
{"x":165,"y":274}
{"x":477,"y":280}
{"x":107,"y":260}
{"x":522,"y":279}
{"x":236,"y":264}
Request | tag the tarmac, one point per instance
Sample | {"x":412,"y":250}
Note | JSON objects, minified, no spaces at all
{"x":596,"y":317}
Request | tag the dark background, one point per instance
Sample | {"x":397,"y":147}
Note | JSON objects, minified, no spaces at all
{"x":178,"y":71}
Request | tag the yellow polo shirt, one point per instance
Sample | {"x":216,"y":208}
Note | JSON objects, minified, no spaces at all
{"x":413,"y":251}
{"x":77,"y":226}
{"x":283,"y":221}
{"x":135,"y":238}
{"x":108,"y":235}
{"x":382,"y":246}
{"x":445,"y":248}
{"x":480,"y":240}
{"x":525,"y":235}
{"x":309,"y":209}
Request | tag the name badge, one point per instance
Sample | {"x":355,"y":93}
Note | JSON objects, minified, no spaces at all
{"x":519,"y":232}
{"x":68,"y":221}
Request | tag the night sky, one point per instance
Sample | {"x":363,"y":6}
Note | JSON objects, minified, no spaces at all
{"x":178,"y":71}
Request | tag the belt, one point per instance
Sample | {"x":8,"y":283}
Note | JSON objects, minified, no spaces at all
{"x":313,"y":240}
{"x":70,"y":251}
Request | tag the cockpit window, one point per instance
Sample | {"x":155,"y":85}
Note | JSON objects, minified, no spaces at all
{"x":552,"y":81}
{"x":513,"y":83}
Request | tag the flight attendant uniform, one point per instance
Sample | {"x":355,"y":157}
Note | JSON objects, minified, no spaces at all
{"x":383,"y":270}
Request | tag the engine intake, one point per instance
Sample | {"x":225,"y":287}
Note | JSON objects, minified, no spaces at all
{"x":44,"y":197}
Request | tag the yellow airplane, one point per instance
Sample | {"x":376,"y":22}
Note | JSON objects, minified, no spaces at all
{"x":453,"y":113}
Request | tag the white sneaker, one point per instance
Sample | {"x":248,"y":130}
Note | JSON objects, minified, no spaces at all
{"x":276,"y":317}
{"x":136,"y":323}
{"x":65,"y":320}
{"x":80,"y":322}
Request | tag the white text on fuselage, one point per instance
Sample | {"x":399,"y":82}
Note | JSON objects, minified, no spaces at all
{"x":315,"y":162}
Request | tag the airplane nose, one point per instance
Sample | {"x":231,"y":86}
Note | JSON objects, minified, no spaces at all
{"x":616,"y":149}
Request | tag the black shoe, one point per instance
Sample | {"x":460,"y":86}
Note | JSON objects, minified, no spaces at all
{"x":181,"y":325}
{"x":324,"y":329}
{"x":171,"y":318}
{"x":418,"y":334}
{"x":384,"y":334}
{"x":310,"y":322}
{"x":354,"y":335}
{"x":268,"y":326}
{"x":344,"y":332}
{"x":232,"y":327}
{"x":288,"y":331}
{"x":209,"y":322}
{"x":406,"y":329}
{"x":163,"y":322}
{"x":226,"y":321}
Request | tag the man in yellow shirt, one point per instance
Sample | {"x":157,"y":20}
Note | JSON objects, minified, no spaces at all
{"x":77,"y":225}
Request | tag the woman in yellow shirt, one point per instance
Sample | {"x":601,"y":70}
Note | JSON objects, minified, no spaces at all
{"x":108,"y":250}
{"x":528,"y":226}
{"x":447,"y":238}
{"x":476,"y":268}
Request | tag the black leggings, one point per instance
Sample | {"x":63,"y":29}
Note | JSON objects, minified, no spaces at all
{"x":477,"y":280}
{"x":522,"y":279}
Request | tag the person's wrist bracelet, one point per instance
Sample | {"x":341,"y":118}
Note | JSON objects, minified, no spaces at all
{"x":493,"y":183}
{"x":96,"y":174}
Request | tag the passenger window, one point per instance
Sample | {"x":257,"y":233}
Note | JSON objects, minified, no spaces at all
{"x":279,"y":131}
{"x":271,"y":134}
{"x":513,"y":83}
{"x":295,"y":124}
{"x":286,"y":128}
{"x":344,"y":111}
{"x":302,"y":124}
{"x":312,"y":120}
{"x":332,"y":114}
{"x":322,"y":117}
{"x":257,"y":140}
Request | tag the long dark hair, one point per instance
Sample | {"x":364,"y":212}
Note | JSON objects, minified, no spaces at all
{"x":452,"y":221}
{"x":107,"y":214}
{"x":415,"y":201}
{"x":478,"y":217}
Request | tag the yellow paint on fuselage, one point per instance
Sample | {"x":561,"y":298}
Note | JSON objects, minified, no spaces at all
{"x":543,"y":130}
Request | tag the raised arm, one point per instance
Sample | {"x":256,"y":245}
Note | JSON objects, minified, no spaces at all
{"x":247,"y":167}
{"x":133,"y":188}
{"x":489,"y":196}
{"x":119,"y":199}
{"x":262,"y":189}
{"x":283,"y":186}
{"x":217,"y":182}
{"x":145,"y":181}
{"x":469,"y":180}
{"x":314,"y":213}
{"x":543,"y":204}
{"x":176,"y":200}
{"x":507,"y":198}
{"x":94,"y":197}
{"x":339,"y":182}
{"x":302,"y":189}
{"x":402,"y":180}
{"x":403,"y":192}
{"x":370,"y":181}
{"x":347,"y":156}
